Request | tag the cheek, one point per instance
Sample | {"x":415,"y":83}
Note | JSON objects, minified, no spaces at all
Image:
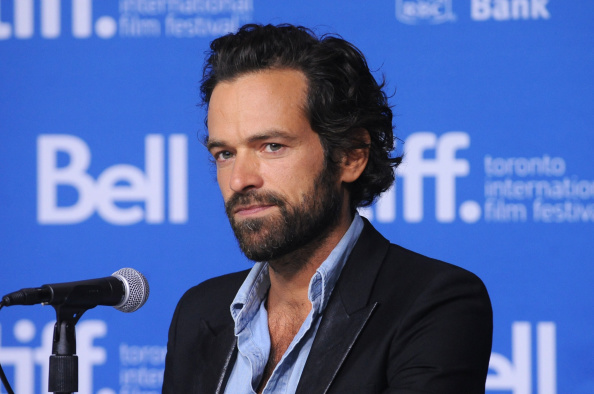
{"x":293,"y":182}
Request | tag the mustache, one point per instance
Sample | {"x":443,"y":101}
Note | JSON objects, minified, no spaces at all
{"x":251,"y":198}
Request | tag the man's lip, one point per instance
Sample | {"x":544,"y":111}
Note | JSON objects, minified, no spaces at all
{"x":252,"y":209}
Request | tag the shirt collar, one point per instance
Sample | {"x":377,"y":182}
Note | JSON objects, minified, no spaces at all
{"x":323,"y":281}
{"x":255,"y":286}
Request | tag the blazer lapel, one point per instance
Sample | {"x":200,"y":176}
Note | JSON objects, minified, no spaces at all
{"x":346,"y":314}
{"x":219,"y":353}
{"x":226,"y":348}
{"x":327,"y":355}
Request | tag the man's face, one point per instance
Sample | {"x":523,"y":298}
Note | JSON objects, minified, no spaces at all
{"x":271,"y":169}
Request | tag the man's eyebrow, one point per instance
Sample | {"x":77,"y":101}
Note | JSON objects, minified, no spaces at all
{"x":271,"y":134}
{"x":213,"y":143}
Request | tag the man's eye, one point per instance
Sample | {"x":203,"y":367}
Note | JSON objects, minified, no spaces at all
{"x":272,"y":147}
{"x":222,"y":156}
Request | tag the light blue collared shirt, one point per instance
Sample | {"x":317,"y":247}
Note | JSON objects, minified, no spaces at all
{"x":251,"y":323}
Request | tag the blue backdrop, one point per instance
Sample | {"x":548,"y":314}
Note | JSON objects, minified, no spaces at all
{"x":101,"y":167}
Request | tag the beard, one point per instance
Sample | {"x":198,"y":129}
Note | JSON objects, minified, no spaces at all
{"x":295,"y":228}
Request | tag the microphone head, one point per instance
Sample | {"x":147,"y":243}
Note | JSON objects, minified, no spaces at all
{"x":136,"y":289}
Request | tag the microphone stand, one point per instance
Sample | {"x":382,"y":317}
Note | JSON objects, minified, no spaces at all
{"x":63,"y":363}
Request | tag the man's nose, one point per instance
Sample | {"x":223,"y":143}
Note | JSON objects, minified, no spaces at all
{"x":245,"y":174}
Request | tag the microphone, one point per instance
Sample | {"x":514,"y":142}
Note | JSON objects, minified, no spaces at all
{"x":126,"y":290}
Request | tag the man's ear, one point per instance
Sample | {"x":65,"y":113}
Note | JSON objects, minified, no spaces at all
{"x":355,"y":160}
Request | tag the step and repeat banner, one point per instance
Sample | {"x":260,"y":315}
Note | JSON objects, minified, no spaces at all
{"x":101,"y":167}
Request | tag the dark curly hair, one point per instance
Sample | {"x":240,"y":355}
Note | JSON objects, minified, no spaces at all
{"x":343,"y":98}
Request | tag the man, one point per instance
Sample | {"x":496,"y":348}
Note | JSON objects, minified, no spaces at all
{"x":301,"y":135}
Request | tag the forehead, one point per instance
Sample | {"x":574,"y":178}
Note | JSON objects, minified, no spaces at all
{"x":258,"y":102}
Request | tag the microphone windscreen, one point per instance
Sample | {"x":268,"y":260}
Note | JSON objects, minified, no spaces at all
{"x":136,"y":289}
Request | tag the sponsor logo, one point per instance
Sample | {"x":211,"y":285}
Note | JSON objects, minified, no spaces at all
{"x":505,"y":10}
{"x":132,"y":18}
{"x":122,"y":194}
{"x":515,"y":374}
{"x":415,"y":12}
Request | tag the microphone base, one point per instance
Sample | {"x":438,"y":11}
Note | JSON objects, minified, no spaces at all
{"x":63,"y":363}
{"x":63,"y":374}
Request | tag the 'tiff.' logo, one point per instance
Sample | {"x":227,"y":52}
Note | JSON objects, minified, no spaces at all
{"x":445,"y":168}
{"x":25,"y":360}
{"x":51,"y":23}
{"x":413,"y":12}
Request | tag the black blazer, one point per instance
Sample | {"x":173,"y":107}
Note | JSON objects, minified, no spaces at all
{"x":396,"y":322}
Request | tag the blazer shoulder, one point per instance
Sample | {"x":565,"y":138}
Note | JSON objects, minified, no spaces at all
{"x":211,"y":299}
{"x":385,"y":271}
{"x":418,"y":281}
{"x":426,"y":268}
